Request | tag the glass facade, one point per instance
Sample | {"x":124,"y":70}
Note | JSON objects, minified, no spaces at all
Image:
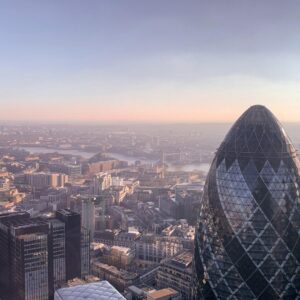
{"x":58,"y":251}
{"x":35,"y":262}
{"x":247,"y":244}
{"x":85,"y":252}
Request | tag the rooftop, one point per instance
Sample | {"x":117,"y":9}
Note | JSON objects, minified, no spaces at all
{"x":102,"y":290}
{"x":23,"y":222}
{"x":182,"y":260}
{"x":81,"y":281}
{"x":168,"y":292}
{"x":67,"y":212}
{"x":115,"y":271}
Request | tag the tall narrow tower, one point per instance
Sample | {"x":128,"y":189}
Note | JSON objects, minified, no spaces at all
{"x":73,"y":242}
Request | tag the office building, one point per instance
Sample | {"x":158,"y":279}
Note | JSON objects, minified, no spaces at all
{"x":176,"y":273}
{"x":74,"y":171}
{"x":4,"y":184}
{"x":88,"y":214}
{"x":153,"y":248}
{"x":247,"y":245}
{"x":24,"y":258}
{"x":38,"y":255}
{"x":58,"y":251}
{"x":43,"y":180}
{"x":120,"y":257}
{"x":85,"y":252}
{"x":73,"y":241}
{"x":120,"y":279}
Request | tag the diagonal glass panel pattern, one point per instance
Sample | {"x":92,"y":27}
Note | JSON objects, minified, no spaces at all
{"x":248,"y":243}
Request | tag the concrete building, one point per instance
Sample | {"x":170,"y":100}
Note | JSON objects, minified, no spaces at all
{"x":4,"y":184}
{"x":154,"y":248}
{"x":176,"y":272}
{"x":121,"y":279}
{"x":43,"y":180}
{"x":74,"y":171}
{"x":101,"y":182}
{"x":56,"y":198}
{"x":102,"y":166}
{"x":120,"y":257}
{"x":88,"y":214}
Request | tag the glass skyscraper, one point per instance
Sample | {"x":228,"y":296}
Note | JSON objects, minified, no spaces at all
{"x":38,"y":255}
{"x":247,"y":244}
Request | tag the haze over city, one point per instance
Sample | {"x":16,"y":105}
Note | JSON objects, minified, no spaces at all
{"x":148,"y":150}
{"x":148,"y":61}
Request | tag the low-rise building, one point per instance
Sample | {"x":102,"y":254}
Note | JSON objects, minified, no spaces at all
{"x":164,"y":294}
{"x":176,"y":272}
{"x":154,"y":248}
{"x":102,"y":290}
{"x":120,"y":257}
{"x":120,"y":279}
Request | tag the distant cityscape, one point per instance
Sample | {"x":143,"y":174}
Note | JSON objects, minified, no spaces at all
{"x":142,"y":215}
{"x":86,"y":205}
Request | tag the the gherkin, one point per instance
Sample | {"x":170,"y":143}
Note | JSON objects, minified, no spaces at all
{"x":247,"y":244}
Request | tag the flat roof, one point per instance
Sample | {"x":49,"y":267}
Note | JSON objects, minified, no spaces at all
{"x":182,"y":261}
{"x":24,"y":222}
{"x":67,"y":212}
{"x":163,"y":293}
{"x":184,"y":258}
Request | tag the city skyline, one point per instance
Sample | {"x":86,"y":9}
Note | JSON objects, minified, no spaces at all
{"x":148,"y":62}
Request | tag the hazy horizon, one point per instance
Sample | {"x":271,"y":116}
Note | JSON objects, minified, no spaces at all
{"x":155,"y":61}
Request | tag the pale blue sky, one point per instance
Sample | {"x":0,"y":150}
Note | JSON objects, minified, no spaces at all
{"x":158,"y":60}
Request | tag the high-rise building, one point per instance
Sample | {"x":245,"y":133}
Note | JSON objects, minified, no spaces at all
{"x":73,"y":241}
{"x":85,"y":252}
{"x":58,"y":251}
{"x":38,"y":255}
{"x":88,"y":214}
{"x":5,"y":270}
{"x":24,"y":263}
{"x":247,"y":244}
{"x":101,"y":181}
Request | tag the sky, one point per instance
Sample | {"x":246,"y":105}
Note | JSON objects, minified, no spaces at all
{"x":148,"y":61}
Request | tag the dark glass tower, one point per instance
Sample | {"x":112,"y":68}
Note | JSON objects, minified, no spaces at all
{"x":25,"y":260}
{"x":38,"y":255}
{"x":247,"y":244}
{"x":73,"y":241}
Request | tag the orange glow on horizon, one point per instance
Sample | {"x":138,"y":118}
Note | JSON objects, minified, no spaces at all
{"x":78,"y":113}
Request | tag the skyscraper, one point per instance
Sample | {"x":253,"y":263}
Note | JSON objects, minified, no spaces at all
{"x":247,"y":244}
{"x":88,"y":214}
{"x":57,"y":239}
{"x":25,"y":260}
{"x":38,"y":255}
{"x":73,"y":241}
